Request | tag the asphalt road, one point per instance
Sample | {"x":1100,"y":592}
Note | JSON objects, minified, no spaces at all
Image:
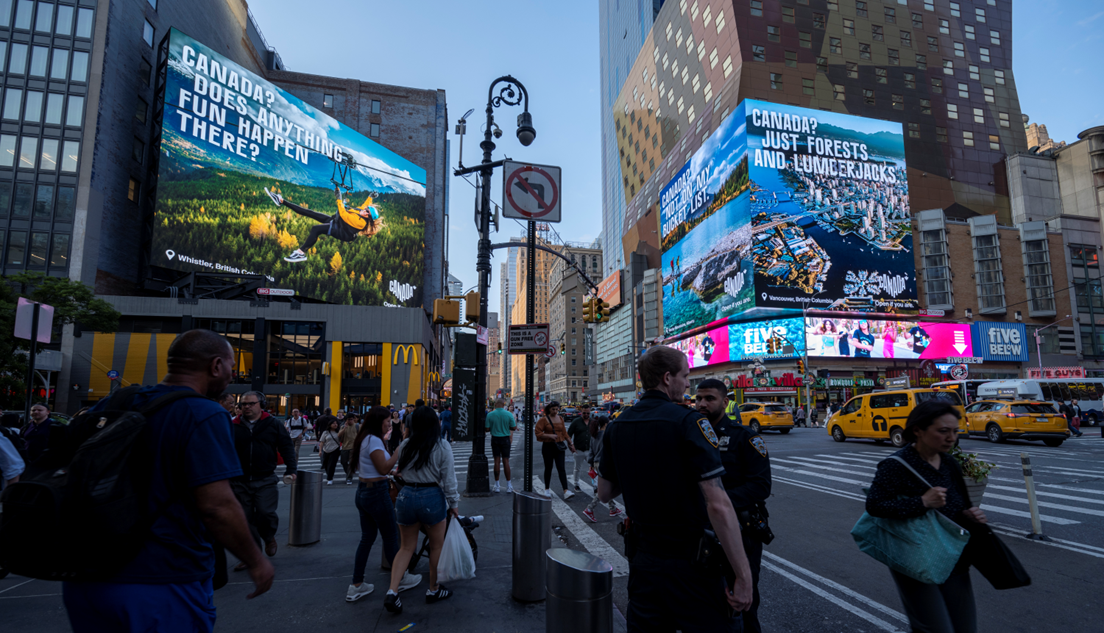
{"x":814,"y":578}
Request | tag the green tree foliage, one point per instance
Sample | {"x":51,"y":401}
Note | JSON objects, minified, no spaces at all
{"x":210,"y":216}
{"x":72,"y":302}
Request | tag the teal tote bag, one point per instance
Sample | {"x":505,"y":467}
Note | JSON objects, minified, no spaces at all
{"x":925,"y":548}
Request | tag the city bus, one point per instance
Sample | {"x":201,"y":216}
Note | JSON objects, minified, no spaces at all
{"x":966,"y":389}
{"x":1089,"y":393}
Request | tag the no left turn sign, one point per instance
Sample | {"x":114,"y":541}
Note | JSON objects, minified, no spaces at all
{"x":531,"y":192}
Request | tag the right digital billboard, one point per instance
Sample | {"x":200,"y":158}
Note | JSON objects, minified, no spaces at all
{"x":787,"y":207}
{"x":874,"y":338}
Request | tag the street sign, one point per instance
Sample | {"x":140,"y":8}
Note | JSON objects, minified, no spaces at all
{"x":960,"y":372}
{"x":113,"y":375}
{"x":964,"y":360}
{"x":933,"y":313}
{"x":276,"y":292}
{"x":531,"y":338}
{"x":551,"y":353}
{"x":481,"y":335}
{"x":897,"y":382}
{"x":24,"y":314}
{"x":531,"y":192}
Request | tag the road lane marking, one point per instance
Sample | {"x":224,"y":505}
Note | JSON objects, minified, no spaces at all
{"x":19,"y":585}
{"x":1048,"y":494}
{"x":1047,"y":504}
{"x":1060,"y":487}
{"x":1027,"y":515}
{"x":1072,"y":546}
{"x":838,"y":587}
{"x":587,"y":537}
{"x":862,"y":613}
{"x":813,"y":460}
{"x":814,"y":487}
{"x":842,"y":480}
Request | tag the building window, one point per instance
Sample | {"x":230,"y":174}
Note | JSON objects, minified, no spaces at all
{"x":852,"y":70}
{"x":1037,"y":278}
{"x":970,"y":33}
{"x":906,"y":39}
{"x":860,"y":9}
{"x":758,"y":53}
{"x":898,"y":102}
{"x":819,"y":21}
{"x":144,"y":69}
{"x":955,"y":10}
{"x":894,"y":57}
{"x":776,"y":81}
{"x":54,"y":103}
{"x":756,"y":8}
{"x":774,"y":34}
{"x":994,"y":38}
{"x":925,"y":106}
{"x":917,"y":20}
{"x":890,"y":15}
{"x":822,"y":64}
{"x":937,"y":85}
{"x":788,"y":15}
{"x":952,"y":111}
{"x":941,"y":134}
{"x":968,"y":139}
{"x":959,"y":49}
{"x":375,"y":106}
{"x":374,"y":130}
{"x":937,"y":270}
{"x":805,"y":40}
{"x":59,"y":251}
{"x":963,"y":90}
{"x":881,"y":75}
{"x":975,"y":74}
{"x":994,"y":142}
{"x":933,"y":43}
{"x":998,"y":75}
{"x":979,"y":116}
{"x":988,"y":276}
{"x":948,"y":67}
{"x":921,"y":62}
{"x":140,"y":110}
{"x":868,"y":97}
{"x":133,"y":190}
{"x":838,"y":92}
{"x":79,"y":70}
{"x":147,"y":32}
{"x":791,"y":59}
{"x":877,"y":32}
{"x":807,"y":86}
{"x":74,"y":111}
{"x":1090,"y":299}
{"x":990,"y":96}
{"x":138,"y":150}
{"x":848,"y":26}
{"x":864,"y":51}
{"x":1004,"y":121}
{"x":327,"y":101}
{"x":910,"y":80}
{"x":914,"y":130}
{"x":835,"y":45}
{"x":84,"y":23}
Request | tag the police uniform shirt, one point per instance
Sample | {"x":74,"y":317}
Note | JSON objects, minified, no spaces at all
{"x":747,"y":478}
{"x":658,"y":453}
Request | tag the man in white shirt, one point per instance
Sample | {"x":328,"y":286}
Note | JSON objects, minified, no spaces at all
{"x":296,"y":425}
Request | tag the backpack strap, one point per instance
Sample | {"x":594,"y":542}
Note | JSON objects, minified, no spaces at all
{"x":121,"y":399}
{"x":913,"y":470}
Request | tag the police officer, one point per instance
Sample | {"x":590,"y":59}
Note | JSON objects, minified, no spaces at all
{"x":747,"y":480}
{"x":666,"y":461}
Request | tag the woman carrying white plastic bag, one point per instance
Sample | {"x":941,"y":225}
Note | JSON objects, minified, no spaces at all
{"x":457,"y":561}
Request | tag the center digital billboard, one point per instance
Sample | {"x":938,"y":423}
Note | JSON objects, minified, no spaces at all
{"x":737,"y":342}
{"x":253,"y":180}
{"x":787,"y":207}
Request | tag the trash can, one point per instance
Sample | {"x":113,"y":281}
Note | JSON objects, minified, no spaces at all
{"x":305,"y":520}
{"x":532,"y":538}
{"x":580,"y":593}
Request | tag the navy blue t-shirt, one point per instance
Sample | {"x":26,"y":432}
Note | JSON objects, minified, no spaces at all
{"x":194,"y":445}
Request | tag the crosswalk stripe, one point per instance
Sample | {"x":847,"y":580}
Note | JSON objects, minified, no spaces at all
{"x":583,"y":533}
{"x":821,"y":476}
{"x":1027,"y":515}
{"x":815,"y":487}
{"x":1045,"y":504}
{"x":1041,"y":493}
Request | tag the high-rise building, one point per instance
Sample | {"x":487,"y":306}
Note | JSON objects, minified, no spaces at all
{"x":494,"y":359}
{"x":507,"y":294}
{"x":622,"y":28}
{"x":942,"y":70}
{"x":543,"y":270}
{"x":569,"y":375}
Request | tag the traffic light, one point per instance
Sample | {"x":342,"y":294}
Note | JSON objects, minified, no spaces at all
{"x":471,"y":307}
{"x":589,"y":310}
{"x":446,"y":312}
{"x":801,"y":367}
{"x":563,"y":349}
{"x":500,"y":347}
{"x":773,"y":344}
{"x":601,"y":311}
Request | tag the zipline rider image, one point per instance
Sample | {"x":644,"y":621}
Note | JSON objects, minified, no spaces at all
{"x":345,"y":225}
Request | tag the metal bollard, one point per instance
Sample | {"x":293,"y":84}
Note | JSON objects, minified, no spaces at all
{"x":580,"y":593}
{"x":305,"y":514}
{"x":532,"y":538}
{"x":1033,"y":505}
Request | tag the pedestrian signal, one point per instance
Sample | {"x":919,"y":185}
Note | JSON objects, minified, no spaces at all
{"x":588,"y":311}
{"x":446,"y":312}
{"x":471,"y":307}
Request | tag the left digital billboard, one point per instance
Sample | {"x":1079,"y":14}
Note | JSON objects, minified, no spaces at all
{"x":785,"y":207}
{"x":875,"y":338}
{"x":737,"y":342}
{"x":253,"y":180}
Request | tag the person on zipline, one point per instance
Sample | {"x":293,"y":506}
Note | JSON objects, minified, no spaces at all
{"x":344,"y":225}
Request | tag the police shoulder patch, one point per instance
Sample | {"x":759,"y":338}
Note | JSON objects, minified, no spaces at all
{"x":758,"y":444}
{"x":708,"y":432}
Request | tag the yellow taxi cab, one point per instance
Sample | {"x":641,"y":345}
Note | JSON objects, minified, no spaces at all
{"x":766,"y":416}
{"x":999,"y":420}
{"x":881,"y":415}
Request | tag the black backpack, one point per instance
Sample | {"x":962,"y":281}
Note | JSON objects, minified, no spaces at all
{"x":81,"y":510}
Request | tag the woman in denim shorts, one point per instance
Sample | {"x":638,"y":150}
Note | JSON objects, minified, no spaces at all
{"x":425,"y":502}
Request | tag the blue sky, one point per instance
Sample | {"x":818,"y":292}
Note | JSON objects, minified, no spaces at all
{"x":552,"y":47}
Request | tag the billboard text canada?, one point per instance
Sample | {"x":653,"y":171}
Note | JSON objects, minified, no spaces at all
{"x":252,"y":180}
{"x":786,"y":207}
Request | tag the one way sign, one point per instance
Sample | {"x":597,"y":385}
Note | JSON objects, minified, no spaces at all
{"x":531,"y":192}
